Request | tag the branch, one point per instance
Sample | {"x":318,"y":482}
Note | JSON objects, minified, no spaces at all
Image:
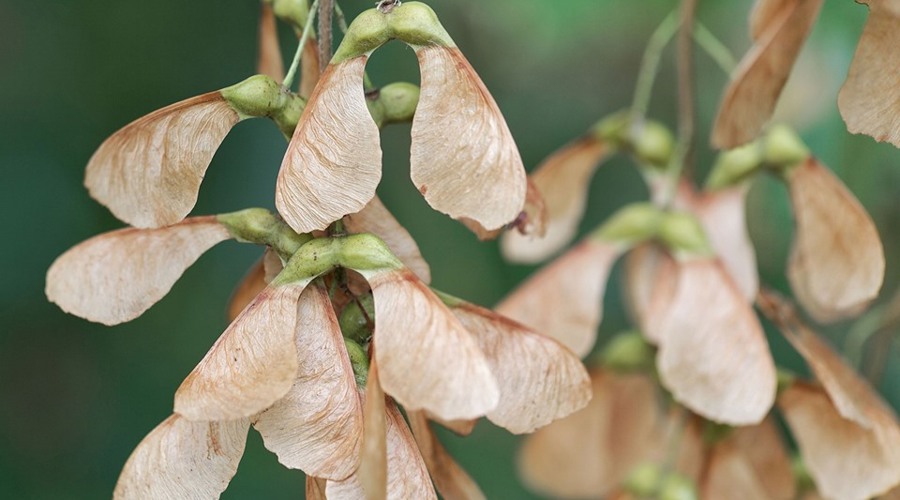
{"x":686,"y":82}
{"x":326,"y":9}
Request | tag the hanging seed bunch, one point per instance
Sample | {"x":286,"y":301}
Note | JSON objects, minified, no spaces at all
{"x":336,"y":328}
{"x":685,"y":405}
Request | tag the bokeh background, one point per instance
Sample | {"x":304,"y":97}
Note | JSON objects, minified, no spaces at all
{"x":76,"y":397}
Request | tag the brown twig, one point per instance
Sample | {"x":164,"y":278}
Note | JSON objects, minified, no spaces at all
{"x":326,"y":9}
{"x":779,"y":310}
{"x":686,"y":118}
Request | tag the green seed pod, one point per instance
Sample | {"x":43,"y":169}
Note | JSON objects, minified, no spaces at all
{"x":399,"y":100}
{"x":654,"y":144}
{"x":393,"y":103}
{"x":628,"y":351}
{"x":683,"y":234}
{"x":293,"y":12}
{"x":365,"y":251}
{"x":734,"y":166}
{"x":613,"y":129}
{"x":356,"y":318}
{"x":416,"y":24}
{"x":644,"y":480}
{"x":288,"y":114}
{"x":677,"y":487}
{"x":366,"y":33}
{"x":631,"y":225}
{"x":260,"y":226}
{"x":651,"y":142}
{"x":253,"y":225}
{"x":359,"y":360}
{"x":256,"y":96}
{"x":783,"y":147}
{"x":313,"y":259}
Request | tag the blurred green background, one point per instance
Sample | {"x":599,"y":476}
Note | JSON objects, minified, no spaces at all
{"x":76,"y":397}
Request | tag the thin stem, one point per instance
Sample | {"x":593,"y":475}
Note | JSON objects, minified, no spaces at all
{"x":653,"y":53}
{"x":341,"y":18}
{"x":869,"y":342}
{"x":370,"y":323}
{"x":686,"y":111}
{"x":650,"y":66}
{"x":326,"y":9}
{"x":862,"y":330}
{"x":673,"y":446}
{"x":337,"y":282}
{"x":307,"y":30}
{"x":880,"y":348}
{"x":714,"y":48}
{"x":682,"y":158}
{"x":337,"y":228}
{"x":879,"y":353}
{"x":782,"y":313}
